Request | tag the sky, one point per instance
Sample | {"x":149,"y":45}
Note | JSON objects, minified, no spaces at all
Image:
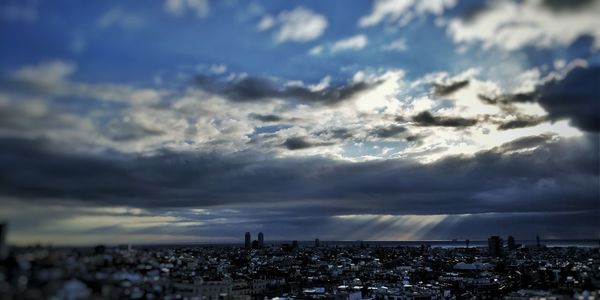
{"x":194,"y":121}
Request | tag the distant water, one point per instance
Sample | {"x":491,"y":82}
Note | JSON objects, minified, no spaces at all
{"x":587,"y":243}
{"x":584,"y":243}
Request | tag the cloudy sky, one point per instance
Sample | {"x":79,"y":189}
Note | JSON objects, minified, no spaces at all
{"x":197,"y":120}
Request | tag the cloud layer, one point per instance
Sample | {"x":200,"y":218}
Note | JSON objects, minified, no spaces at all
{"x":195,"y":120}
{"x":297,"y":25}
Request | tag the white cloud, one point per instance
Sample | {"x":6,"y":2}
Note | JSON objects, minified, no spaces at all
{"x":397,"y":45}
{"x":323,"y":84}
{"x":46,"y":73}
{"x":316,"y":50}
{"x":511,"y":25}
{"x":192,"y":120}
{"x":265,"y":23}
{"x":297,"y":25}
{"x":178,"y":7}
{"x":403,"y":11}
{"x":352,"y":43}
{"x":118,"y":17}
{"x":218,"y":69}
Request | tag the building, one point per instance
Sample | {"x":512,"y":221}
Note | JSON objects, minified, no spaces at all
{"x":3,"y":246}
{"x":248,"y":241}
{"x":214,"y":289}
{"x":495,"y":245}
{"x":510,"y":242}
{"x":317,"y":243}
{"x":261,"y":240}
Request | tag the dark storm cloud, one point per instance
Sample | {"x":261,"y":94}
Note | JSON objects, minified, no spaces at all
{"x":427,"y":119}
{"x":413,"y":138}
{"x":335,"y":133}
{"x":575,"y":97}
{"x":389,"y":131}
{"x":252,"y":88}
{"x":555,"y":176}
{"x":521,"y":122}
{"x":299,"y":143}
{"x":508,"y":99}
{"x":266,"y":118}
{"x":472,"y":11}
{"x":447,"y":89}
{"x":560,"y":5}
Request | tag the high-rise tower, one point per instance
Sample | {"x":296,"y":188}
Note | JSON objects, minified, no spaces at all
{"x":261,"y":240}
{"x":510,"y":242}
{"x":248,"y":241}
{"x":495,"y":245}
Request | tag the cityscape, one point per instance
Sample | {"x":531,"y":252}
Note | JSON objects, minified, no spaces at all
{"x":300,"y":149}
{"x":260,"y":269}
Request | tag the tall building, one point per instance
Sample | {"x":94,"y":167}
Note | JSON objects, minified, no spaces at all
{"x":317,"y":243}
{"x":261,"y":240}
{"x":3,"y":246}
{"x":510,"y":242}
{"x":495,"y":245}
{"x":248,"y":241}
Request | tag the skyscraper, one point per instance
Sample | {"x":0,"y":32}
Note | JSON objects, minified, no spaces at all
{"x":495,"y":244}
{"x":248,"y":241}
{"x":261,"y":240}
{"x":317,"y":243}
{"x":510,"y":242}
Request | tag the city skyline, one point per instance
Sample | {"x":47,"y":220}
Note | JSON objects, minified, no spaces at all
{"x":194,"y":121}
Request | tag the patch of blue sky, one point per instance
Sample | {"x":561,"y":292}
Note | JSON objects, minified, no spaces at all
{"x":270,"y":129}
{"x":164,"y":42}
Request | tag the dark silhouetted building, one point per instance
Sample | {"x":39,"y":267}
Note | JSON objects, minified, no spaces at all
{"x":248,"y":241}
{"x":261,"y":240}
{"x":317,"y":243}
{"x":467,"y":243}
{"x":495,"y":245}
{"x":510,"y":242}
{"x":3,"y":246}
